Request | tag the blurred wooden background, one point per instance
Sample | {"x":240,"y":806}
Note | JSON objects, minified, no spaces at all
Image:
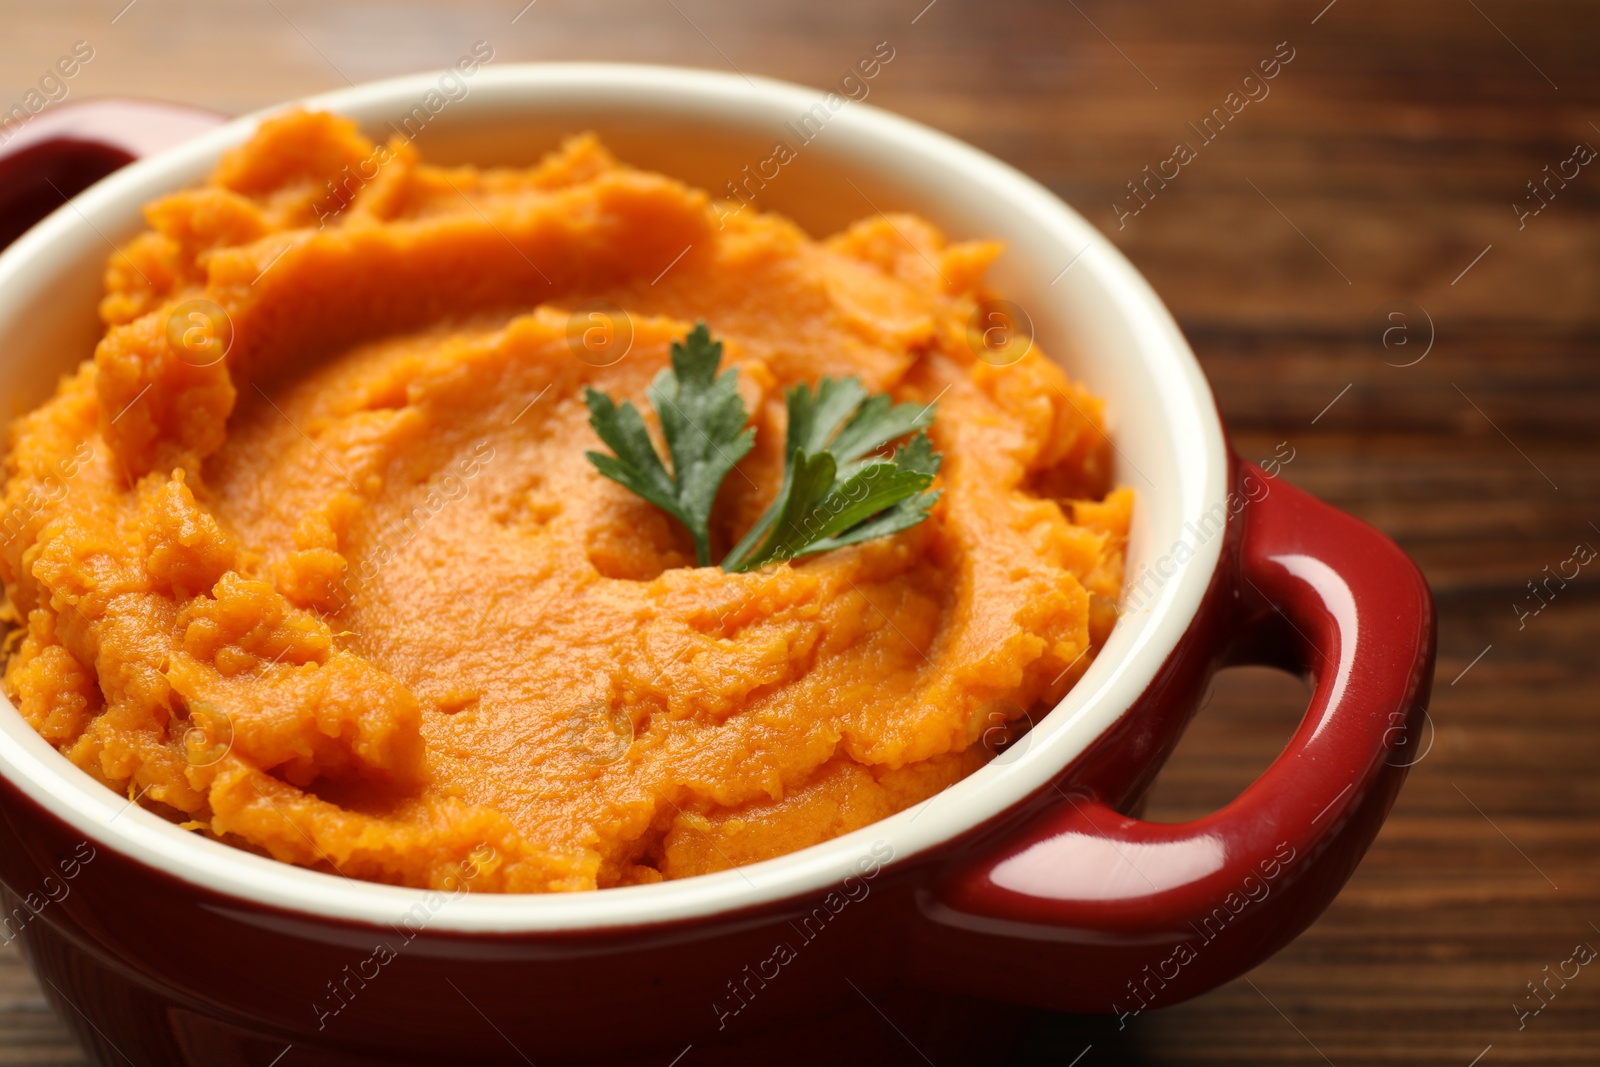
{"x":1383,"y":167}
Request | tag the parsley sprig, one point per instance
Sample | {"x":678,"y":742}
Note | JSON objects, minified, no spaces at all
{"x":703,"y":420}
{"x":837,"y":490}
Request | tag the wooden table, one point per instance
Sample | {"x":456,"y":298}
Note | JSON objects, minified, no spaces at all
{"x":1384,"y":166}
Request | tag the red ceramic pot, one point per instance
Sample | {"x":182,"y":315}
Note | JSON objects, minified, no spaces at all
{"x":1026,"y":883}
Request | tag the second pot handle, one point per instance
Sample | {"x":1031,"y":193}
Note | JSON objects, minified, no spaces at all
{"x":54,"y":155}
{"x":1085,"y":908}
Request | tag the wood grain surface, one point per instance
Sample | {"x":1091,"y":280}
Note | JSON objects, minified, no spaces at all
{"x":1383,"y":166}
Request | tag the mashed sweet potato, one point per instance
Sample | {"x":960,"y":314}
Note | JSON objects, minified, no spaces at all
{"x":353,"y":597}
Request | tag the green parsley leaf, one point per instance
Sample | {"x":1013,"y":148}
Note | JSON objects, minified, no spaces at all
{"x":834,"y":492}
{"x":917,"y":457}
{"x":703,"y":421}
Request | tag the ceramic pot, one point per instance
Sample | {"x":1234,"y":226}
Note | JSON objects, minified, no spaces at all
{"x":1027,"y":882}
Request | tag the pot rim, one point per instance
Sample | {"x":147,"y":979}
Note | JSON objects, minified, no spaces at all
{"x":868,"y":137}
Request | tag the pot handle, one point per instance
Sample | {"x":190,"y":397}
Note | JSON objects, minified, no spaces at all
{"x":54,"y":155}
{"x":1087,"y":909}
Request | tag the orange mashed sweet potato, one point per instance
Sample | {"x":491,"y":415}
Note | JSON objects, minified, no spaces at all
{"x":353,"y":597}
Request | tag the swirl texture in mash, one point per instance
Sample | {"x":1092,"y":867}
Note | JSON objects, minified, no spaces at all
{"x":352,"y":596}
